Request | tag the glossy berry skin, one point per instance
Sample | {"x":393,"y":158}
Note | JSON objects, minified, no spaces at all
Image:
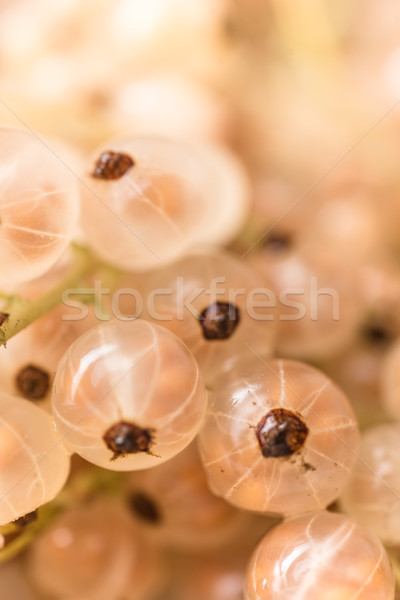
{"x":34,"y":462}
{"x":29,"y":360}
{"x":282,"y":439}
{"x":158,"y":197}
{"x":39,"y":206}
{"x":322,"y":556}
{"x":128,"y":395}
{"x":211,"y":301}
{"x":372,"y":496}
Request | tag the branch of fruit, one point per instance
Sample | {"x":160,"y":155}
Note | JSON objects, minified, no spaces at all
{"x":17,"y":312}
{"x":84,"y":486}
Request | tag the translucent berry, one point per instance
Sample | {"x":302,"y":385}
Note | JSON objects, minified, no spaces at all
{"x":322,"y":556}
{"x":157,"y":198}
{"x":128,"y":395}
{"x":372,"y":496}
{"x":218,"y":306}
{"x":29,"y":360}
{"x":34,"y":462}
{"x":38,"y":206}
{"x":282,"y":439}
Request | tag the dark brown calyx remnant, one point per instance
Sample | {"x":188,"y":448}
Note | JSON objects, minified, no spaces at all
{"x":377,"y":333}
{"x":278,"y":242}
{"x":112,"y":165}
{"x":219,"y":320}
{"x":33,"y":382}
{"x":281,"y":433}
{"x":27,"y":519}
{"x":3,"y":318}
{"x":145,"y":508}
{"x":127,"y":438}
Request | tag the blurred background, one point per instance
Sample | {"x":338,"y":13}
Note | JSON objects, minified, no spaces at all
{"x":306,"y":93}
{"x":292,"y":85}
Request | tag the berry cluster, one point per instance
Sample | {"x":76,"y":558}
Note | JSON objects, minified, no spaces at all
{"x":274,"y":436}
{"x":199,"y":292}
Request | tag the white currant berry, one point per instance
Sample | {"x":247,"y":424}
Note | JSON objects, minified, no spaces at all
{"x":128,"y":395}
{"x":322,"y":556}
{"x":218,"y":306}
{"x":38,"y":206}
{"x":34,"y":463}
{"x":158,"y":197}
{"x":372,"y":495}
{"x":29,"y":360}
{"x":281,"y":440}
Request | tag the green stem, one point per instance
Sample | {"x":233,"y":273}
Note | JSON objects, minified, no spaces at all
{"x":17,"y":538}
{"x":21,"y":312}
{"x":83,"y":487}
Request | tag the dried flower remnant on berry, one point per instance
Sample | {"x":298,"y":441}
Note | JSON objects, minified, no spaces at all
{"x":27,"y":519}
{"x":145,"y":508}
{"x":376,"y":333}
{"x":281,"y":433}
{"x":219,"y":320}
{"x":126,"y":438}
{"x":112,"y":165}
{"x":33,"y":382}
{"x":3,"y":318}
{"x":278,"y":242}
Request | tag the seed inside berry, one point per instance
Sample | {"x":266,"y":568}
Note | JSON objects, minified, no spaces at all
{"x":33,"y":382}
{"x":219,"y":320}
{"x":127,"y":438}
{"x":281,"y":433}
{"x":145,"y":508}
{"x":112,"y":165}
